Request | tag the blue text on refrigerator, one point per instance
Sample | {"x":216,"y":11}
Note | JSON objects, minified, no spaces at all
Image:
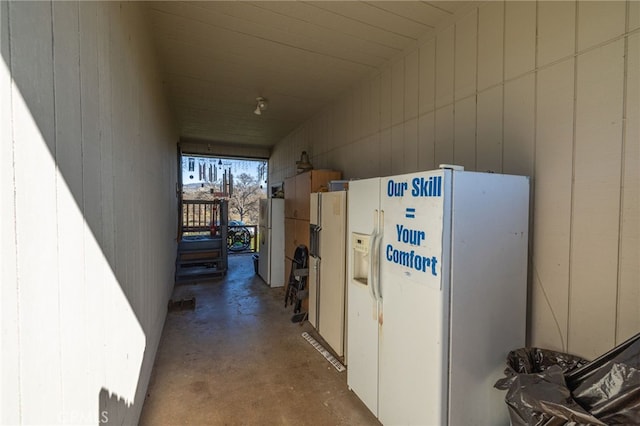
{"x":410,"y":259}
{"x":420,"y":187}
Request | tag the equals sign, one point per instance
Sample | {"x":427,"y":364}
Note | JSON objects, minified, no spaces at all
{"x":410,"y":213}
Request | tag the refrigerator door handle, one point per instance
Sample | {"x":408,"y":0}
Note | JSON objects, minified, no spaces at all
{"x":372,"y":244}
{"x":372,"y":291}
{"x":374,"y":258}
{"x":379,"y":236}
{"x":314,"y":240}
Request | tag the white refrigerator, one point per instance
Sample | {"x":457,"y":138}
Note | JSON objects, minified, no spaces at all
{"x":327,"y":268}
{"x":271,"y":241}
{"x":437,"y":285}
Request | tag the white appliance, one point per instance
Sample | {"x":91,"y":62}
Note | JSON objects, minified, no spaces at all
{"x":271,"y":230}
{"x":327,"y":269}
{"x":437,"y":285}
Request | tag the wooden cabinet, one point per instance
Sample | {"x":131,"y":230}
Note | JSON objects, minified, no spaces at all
{"x":289,"y":240}
{"x":290,"y":198}
{"x":297,"y":190}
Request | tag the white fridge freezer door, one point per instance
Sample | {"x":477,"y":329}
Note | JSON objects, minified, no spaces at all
{"x":264,"y":210}
{"x":264,"y":261}
{"x":331,"y":315}
{"x":276,"y":242}
{"x":314,"y":269}
{"x":362,"y":323}
{"x":314,"y":208}
{"x":414,"y":308}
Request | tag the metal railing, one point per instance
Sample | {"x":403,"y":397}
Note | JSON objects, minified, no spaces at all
{"x":199,"y":215}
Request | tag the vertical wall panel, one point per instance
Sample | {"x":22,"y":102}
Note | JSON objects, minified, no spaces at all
{"x":385,"y":152}
{"x":385,"y":98}
{"x":596,"y":200}
{"x":520,"y":37}
{"x":629,"y":290}
{"x":490,"y":44}
{"x":464,"y":143}
{"x":443,"y":144}
{"x":411,"y":145}
{"x":444,"y":67}
{"x":411,"y":84}
{"x":9,"y":334}
{"x":366,"y":126}
{"x":556,"y":30}
{"x":427,"y":71}
{"x":356,"y":113}
{"x":519,"y":125}
{"x":466,"y":55}
{"x":375,"y":103}
{"x":552,"y":207}
{"x":34,"y":136}
{"x":370,"y":154}
{"x":599,"y":21}
{"x":90,"y":120}
{"x":70,"y":199}
{"x":397,"y":149}
{"x":98,"y":293}
{"x":358,"y":150}
{"x":397,"y":92}
{"x":426,"y":145}
{"x":489,"y":131}
{"x":342,"y":126}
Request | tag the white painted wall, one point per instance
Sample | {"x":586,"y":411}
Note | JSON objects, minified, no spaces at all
{"x":88,"y":168}
{"x":545,"y":89}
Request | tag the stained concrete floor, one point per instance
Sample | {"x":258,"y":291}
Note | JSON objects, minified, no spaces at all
{"x":238,"y":359}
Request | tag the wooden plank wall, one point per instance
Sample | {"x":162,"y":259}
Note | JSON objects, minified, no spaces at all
{"x":545,"y":89}
{"x":88,"y":166}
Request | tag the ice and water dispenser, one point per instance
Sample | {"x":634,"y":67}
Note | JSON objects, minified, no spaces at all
{"x":360,"y":245}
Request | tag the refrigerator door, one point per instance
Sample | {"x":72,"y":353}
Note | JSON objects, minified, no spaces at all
{"x":276,"y":242}
{"x":314,"y":278}
{"x":264,"y":261}
{"x":331,"y":294}
{"x":488,"y":290}
{"x":413,"y":294}
{"x":362,"y":313}
{"x":264,"y":210}
{"x":314,"y":258}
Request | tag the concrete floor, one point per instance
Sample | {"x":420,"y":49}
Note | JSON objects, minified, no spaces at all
{"x":238,"y":359}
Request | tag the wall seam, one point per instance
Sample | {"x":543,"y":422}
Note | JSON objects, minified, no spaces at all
{"x":475,"y":105}
{"x":573,"y":167}
{"x":622,"y":168}
{"x":56,"y":184}
{"x":15,"y":210}
{"x":502,"y":83}
{"x":417,"y":117}
{"x":435,"y":98}
{"x":532,"y":187}
{"x":453,"y":96}
{"x":82,"y":231}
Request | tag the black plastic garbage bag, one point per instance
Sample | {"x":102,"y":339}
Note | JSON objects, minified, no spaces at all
{"x":547,"y":388}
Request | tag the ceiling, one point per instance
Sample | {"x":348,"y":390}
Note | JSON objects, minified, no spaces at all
{"x":217,"y":57}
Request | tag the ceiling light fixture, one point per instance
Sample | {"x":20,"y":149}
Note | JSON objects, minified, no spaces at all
{"x":261,"y":106}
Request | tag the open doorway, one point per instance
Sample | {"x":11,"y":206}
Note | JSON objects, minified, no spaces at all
{"x":239,"y":182}
{"x":219,"y":201}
